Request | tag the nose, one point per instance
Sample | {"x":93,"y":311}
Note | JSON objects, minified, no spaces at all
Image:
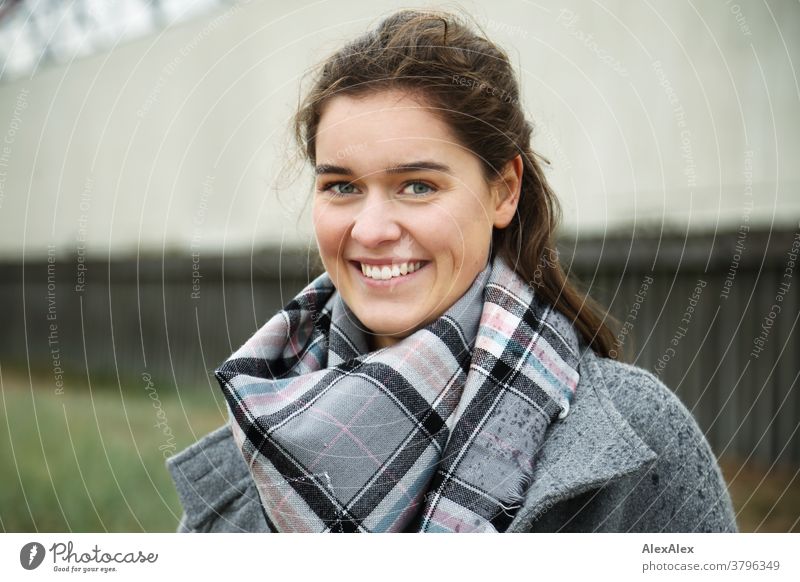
{"x":375,"y":223}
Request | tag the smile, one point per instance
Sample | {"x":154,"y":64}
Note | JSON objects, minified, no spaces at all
{"x":389,"y":271}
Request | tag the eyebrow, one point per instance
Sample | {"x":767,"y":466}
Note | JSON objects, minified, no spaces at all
{"x":396,"y":169}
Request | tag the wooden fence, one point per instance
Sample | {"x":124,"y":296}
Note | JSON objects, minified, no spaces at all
{"x":714,"y":316}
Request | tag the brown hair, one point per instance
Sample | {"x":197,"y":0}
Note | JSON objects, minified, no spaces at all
{"x":468,"y":82}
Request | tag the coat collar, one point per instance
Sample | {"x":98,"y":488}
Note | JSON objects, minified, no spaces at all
{"x":592,"y":445}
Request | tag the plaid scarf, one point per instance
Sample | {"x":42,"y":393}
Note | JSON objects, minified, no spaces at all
{"x":437,"y":432}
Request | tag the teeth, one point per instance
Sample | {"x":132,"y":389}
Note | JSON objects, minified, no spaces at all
{"x":386,"y":272}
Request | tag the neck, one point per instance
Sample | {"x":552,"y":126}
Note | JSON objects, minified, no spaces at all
{"x":377,"y":342}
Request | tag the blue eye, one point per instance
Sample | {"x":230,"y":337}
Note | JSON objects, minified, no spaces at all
{"x":330,"y":187}
{"x":415,"y":192}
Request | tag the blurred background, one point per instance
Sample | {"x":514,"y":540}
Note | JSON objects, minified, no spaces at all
{"x":150,"y":223}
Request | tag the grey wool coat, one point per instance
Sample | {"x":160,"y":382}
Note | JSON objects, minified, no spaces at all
{"x":629,"y":457}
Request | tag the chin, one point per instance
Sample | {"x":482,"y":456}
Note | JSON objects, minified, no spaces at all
{"x":396,"y":329}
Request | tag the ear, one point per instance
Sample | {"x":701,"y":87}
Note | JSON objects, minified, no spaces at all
{"x":507,"y":191}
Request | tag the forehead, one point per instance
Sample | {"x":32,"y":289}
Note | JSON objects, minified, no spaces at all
{"x":379,"y":123}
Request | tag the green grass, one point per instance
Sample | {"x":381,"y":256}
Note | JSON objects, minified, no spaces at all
{"x":93,"y":459}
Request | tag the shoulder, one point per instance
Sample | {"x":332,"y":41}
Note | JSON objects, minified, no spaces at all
{"x":215,"y":487}
{"x":684,"y":489}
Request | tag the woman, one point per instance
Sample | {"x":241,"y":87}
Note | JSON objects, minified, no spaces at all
{"x":442,"y":375}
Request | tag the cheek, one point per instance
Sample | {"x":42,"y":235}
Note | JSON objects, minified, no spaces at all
{"x":469,"y":233}
{"x":330,"y":228}
{"x":454,"y":235}
{"x":435,"y":232}
{"x":471,"y":245}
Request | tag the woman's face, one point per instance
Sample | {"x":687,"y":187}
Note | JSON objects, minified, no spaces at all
{"x":402,"y":214}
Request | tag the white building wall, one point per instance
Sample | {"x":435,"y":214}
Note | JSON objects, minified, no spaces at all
{"x":655,"y":115}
